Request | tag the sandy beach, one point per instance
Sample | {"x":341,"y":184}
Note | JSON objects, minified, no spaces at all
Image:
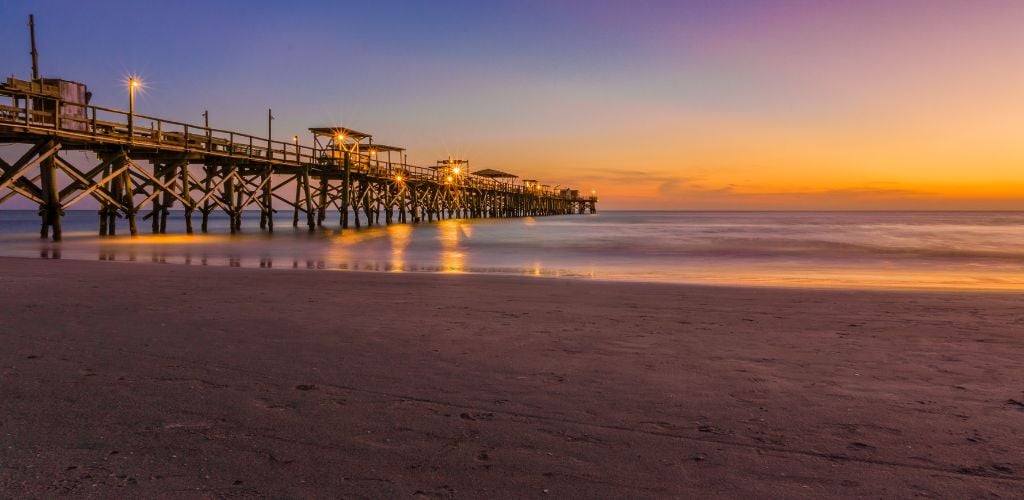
{"x":148,"y":380}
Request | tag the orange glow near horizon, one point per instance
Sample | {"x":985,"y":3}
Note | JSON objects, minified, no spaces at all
{"x":729,"y":105}
{"x":914,"y":159}
{"x":823,"y":107}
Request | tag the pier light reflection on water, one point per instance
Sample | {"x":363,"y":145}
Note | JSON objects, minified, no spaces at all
{"x":452,"y":258}
{"x":851,"y":250}
{"x":440,"y":247}
{"x":401,"y":236}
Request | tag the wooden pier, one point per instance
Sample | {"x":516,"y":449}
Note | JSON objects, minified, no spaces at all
{"x":148,"y":166}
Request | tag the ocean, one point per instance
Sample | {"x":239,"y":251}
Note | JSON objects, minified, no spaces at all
{"x":940,"y":250}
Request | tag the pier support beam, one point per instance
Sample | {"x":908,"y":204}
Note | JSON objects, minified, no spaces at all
{"x":163,"y":178}
{"x":346,"y":183}
{"x":50,"y":210}
{"x":186,"y":191}
{"x":128,"y":192}
{"x":268,"y":200}
{"x":105,"y":206}
{"x":117,"y":191}
{"x":229,"y":200}
{"x":166,"y":200}
{"x":208,"y":171}
{"x":298,"y":197}
{"x":322,"y":202}
{"x":309,"y":200}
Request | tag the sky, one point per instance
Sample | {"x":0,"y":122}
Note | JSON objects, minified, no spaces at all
{"x":700,"y":105}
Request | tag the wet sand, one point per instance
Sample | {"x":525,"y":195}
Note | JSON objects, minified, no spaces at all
{"x":148,"y":380}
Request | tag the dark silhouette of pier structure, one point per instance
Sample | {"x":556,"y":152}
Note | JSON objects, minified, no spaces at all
{"x":148,"y":166}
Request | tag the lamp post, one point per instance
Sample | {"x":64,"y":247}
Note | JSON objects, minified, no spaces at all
{"x":133,"y":83}
{"x":346,"y":180}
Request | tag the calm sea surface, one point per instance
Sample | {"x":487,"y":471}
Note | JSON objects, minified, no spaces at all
{"x":978,"y":250}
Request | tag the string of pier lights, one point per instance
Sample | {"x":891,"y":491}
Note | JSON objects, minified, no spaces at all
{"x":449,"y":178}
{"x":134,"y":83}
{"x":340,"y":138}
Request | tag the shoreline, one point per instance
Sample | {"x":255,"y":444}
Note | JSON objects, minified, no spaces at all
{"x":149,"y":380}
{"x":900,"y":251}
{"x":552,"y":275}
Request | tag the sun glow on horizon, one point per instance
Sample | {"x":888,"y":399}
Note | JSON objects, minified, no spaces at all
{"x":678,"y":105}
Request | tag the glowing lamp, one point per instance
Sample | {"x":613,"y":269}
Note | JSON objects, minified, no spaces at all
{"x":133,"y":84}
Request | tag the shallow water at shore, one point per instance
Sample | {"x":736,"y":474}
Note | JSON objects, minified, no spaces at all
{"x":958,"y":250}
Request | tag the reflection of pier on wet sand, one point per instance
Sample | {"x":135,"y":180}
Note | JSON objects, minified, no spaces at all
{"x":381,"y":249}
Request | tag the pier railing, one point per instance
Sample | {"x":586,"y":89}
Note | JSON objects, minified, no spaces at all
{"x":119,"y":126}
{"x":90,"y":123}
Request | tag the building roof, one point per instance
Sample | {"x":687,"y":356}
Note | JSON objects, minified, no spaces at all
{"x":381,"y":148}
{"x":451,"y":164}
{"x":495,"y":174}
{"x":334,"y":131}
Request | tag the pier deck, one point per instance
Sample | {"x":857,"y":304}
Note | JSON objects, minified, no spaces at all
{"x":162,"y":164}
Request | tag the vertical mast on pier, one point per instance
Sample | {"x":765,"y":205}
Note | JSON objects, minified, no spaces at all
{"x":35,"y":54}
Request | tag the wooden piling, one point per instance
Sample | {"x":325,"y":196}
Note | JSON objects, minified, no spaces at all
{"x":346,"y":183}
{"x":298,"y":196}
{"x":186,"y":190}
{"x":167,"y":202}
{"x":51,"y":208}
{"x":208,"y":172}
{"x":229,"y":200}
{"x":128,"y":192}
{"x":104,"y":206}
{"x":309,"y":201}
{"x":268,"y":199}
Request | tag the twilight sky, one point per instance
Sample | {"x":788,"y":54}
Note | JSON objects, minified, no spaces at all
{"x":656,"y":105}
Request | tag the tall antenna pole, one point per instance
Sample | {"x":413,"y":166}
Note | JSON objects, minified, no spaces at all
{"x":270,"y":129}
{"x":209,"y":134}
{"x":35,"y":55}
